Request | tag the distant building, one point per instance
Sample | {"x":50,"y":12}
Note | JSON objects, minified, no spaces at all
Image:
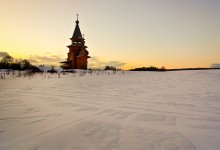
{"x":78,"y":55}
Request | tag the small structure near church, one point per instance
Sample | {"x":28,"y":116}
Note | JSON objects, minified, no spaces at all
{"x":78,"y":55}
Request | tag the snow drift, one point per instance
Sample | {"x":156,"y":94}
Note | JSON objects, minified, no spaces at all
{"x":131,"y":111}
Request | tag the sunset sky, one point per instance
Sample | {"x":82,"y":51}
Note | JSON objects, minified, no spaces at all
{"x":124,"y":33}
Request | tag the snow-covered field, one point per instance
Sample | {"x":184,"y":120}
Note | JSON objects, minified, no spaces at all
{"x":131,"y":111}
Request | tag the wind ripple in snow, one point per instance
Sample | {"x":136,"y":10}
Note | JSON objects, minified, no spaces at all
{"x":134,"y":111}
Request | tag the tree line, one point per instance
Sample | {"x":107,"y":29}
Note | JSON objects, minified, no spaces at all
{"x":8,"y":62}
{"x":151,"y":68}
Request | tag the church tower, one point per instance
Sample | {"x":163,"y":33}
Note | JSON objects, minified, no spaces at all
{"x":77,"y":55}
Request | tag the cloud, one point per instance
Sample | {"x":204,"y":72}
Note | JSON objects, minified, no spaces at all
{"x":215,"y":65}
{"x":116,"y":63}
{"x":48,"y":59}
{"x":3,"y":54}
{"x":33,"y":61}
{"x":51,"y":59}
{"x":95,"y":62}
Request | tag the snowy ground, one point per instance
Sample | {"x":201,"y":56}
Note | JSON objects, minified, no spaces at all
{"x":131,"y":111}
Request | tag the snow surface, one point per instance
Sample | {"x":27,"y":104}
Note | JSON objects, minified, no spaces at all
{"x":131,"y":111}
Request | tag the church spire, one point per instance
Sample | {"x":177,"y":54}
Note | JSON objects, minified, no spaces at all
{"x":77,"y":21}
{"x":77,"y":32}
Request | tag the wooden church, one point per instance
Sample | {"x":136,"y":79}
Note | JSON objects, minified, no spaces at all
{"x":78,"y":55}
